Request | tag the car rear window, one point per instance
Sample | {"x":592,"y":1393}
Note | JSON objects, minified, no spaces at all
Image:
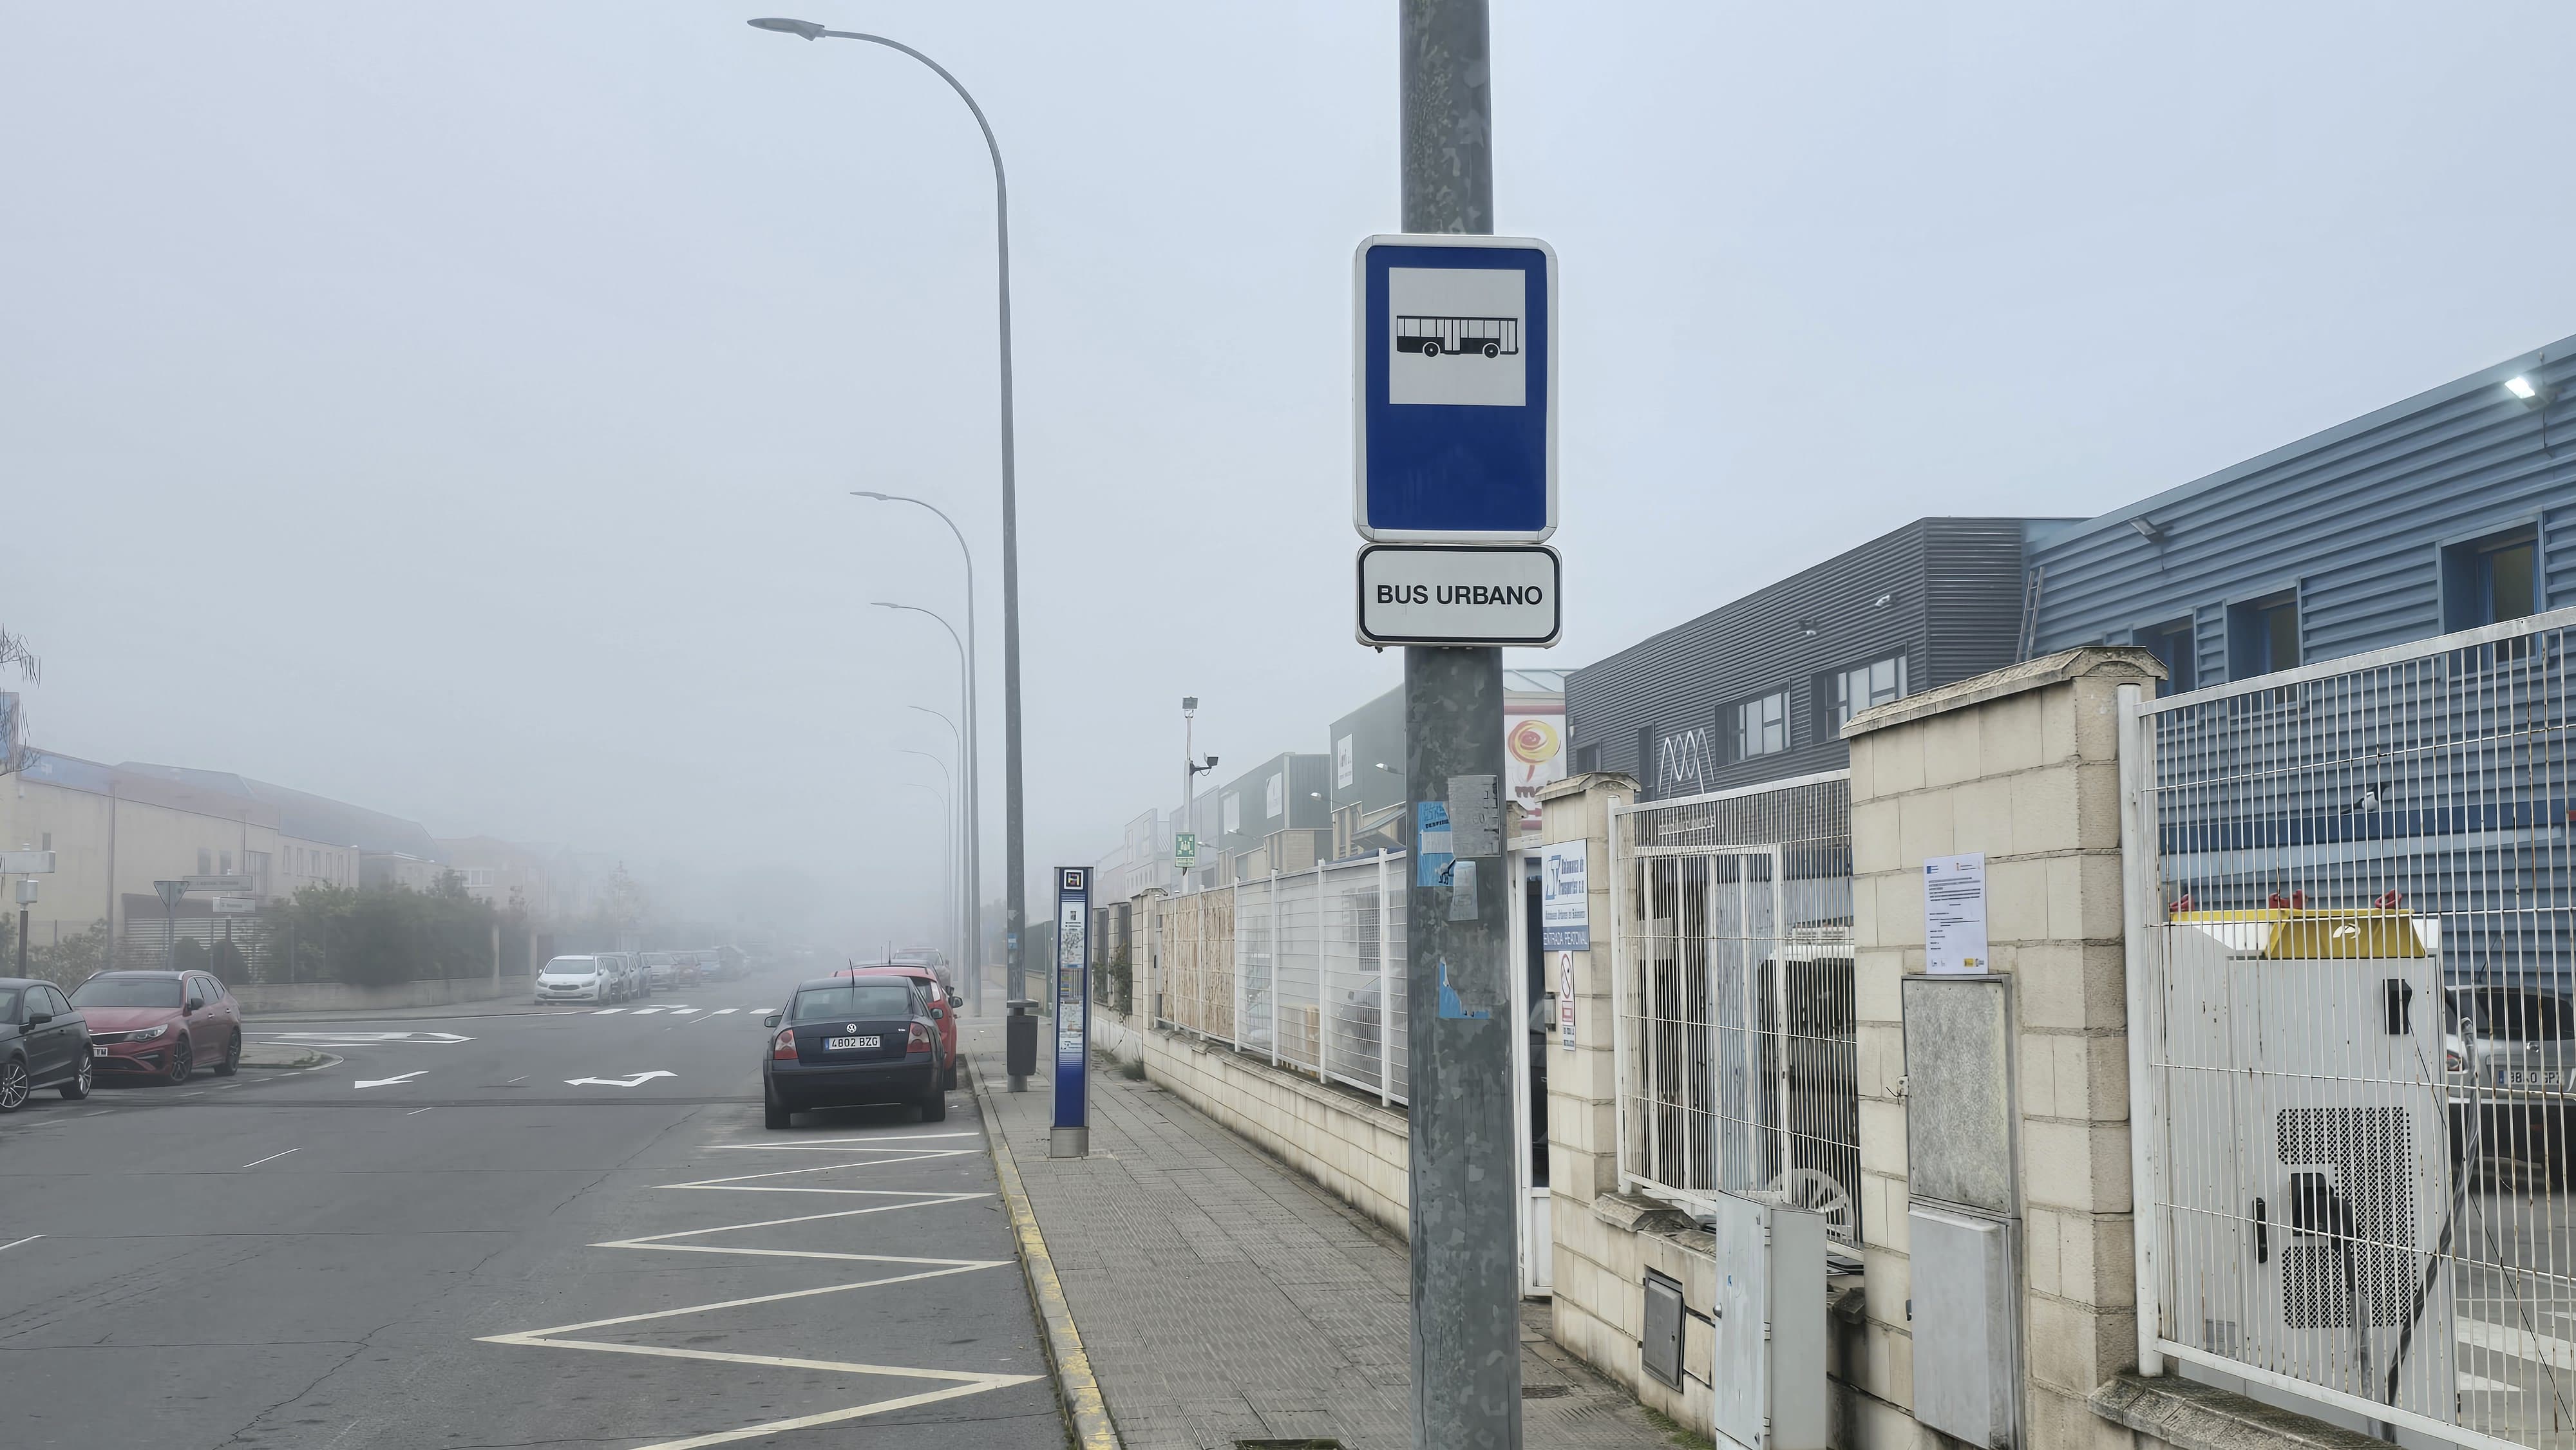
{"x":2512,"y":1015}
{"x":859,"y":999}
{"x":128,"y":992}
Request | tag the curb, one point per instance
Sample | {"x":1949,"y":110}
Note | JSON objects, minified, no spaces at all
{"x":1084,"y":1412}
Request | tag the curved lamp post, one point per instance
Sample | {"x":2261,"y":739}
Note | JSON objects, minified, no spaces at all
{"x":1013,"y":847}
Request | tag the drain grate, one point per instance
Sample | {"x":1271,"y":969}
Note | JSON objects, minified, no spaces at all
{"x":1545,"y":1392}
{"x":1287,"y":1445}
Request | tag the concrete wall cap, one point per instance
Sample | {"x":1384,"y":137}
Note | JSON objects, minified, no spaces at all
{"x":2193,"y":1416}
{"x":1578,"y":784}
{"x":2120,"y":663}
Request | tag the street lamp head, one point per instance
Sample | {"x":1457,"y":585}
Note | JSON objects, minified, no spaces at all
{"x":1189,"y":704}
{"x":881,"y":604}
{"x":806,"y":28}
{"x":864,"y":493}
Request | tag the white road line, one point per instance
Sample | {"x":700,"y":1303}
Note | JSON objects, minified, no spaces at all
{"x":646,"y":1011}
{"x":823,"y":1168}
{"x":514,"y":1082}
{"x":13,"y":1243}
{"x":682,"y":1011}
{"x":55,"y":1123}
{"x":416,"y":1112}
{"x":255,"y":1162}
{"x":607,"y":1011}
{"x":725,"y":1011}
{"x":828,"y":1142}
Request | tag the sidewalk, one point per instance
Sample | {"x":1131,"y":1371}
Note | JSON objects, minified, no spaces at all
{"x":1222,"y":1298}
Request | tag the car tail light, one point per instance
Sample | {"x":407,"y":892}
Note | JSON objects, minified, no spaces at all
{"x":2452,"y":1061}
{"x":783,"y":1047}
{"x":920,"y":1039}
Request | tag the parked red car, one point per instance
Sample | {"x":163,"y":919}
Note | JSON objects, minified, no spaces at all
{"x":938,"y":991}
{"x":160,"y":1024}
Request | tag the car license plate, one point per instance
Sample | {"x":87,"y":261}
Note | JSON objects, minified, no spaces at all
{"x":834,"y":1044}
{"x":2528,"y":1077}
{"x":97,"y":1051}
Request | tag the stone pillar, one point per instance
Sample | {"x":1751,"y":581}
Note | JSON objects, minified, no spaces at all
{"x":1591,"y":1275}
{"x":2023,"y":765}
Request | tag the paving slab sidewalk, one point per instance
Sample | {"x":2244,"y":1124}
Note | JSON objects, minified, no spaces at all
{"x":1223,"y":1298}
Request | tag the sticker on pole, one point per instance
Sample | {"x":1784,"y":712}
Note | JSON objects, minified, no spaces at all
{"x":1458,"y":595}
{"x":1455,"y":380}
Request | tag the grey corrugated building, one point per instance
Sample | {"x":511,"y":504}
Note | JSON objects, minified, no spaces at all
{"x":2454,"y":508}
{"x":1756,"y":689}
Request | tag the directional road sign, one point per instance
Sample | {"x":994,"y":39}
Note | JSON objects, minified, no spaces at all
{"x":215,"y":885}
{"x":26,"y":863}
{"x":1456,"y":390}
{"x":1489,"y":594}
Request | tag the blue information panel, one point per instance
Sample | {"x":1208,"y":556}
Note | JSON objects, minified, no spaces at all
{"x":1072,"y":995}
{"x":1456,"y":385}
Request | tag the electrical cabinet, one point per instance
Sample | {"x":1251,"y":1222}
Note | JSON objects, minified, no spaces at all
{"x":1768,"y":1326}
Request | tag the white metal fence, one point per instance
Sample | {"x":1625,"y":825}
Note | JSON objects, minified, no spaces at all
{"x":1306,"y":967}
{"x":1732,"y":977}
{"x":2350,"y":922}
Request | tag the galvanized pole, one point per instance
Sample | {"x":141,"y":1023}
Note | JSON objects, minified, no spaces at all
{"x":1466,"y":1300}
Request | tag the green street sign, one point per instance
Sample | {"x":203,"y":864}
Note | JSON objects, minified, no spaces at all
{"x":1185,"y":850}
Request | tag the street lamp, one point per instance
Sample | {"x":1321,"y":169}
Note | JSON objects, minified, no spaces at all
{"x":948,"y":835}
{"x":966,"y":768}
{"x":965,"y":690}
{"x":969,"y":751}
{"x":1014,"y":840}
{"x":1191,"y":770}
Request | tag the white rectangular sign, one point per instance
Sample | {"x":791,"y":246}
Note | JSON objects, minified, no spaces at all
{"x":1564,"y":898}
{"x":235,"y":906}
{"x":1458,"y":595}
{"x":1954,"y":915}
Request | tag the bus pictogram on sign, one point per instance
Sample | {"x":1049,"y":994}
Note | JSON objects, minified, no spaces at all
{"x":1458,"y":336}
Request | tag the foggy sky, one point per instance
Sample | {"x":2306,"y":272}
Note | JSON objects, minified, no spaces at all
{"x":451,"y":408}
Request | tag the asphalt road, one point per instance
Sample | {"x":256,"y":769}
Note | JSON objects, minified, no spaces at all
{"x":441,"y":1242}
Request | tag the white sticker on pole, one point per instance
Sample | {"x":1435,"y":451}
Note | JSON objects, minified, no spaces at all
{"x":1954,"y":915}
{"x":1565,"y":996}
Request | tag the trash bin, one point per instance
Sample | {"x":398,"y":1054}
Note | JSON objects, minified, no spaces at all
{"x":1020,"y":1041}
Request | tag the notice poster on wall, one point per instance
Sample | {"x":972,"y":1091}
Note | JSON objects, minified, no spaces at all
{"x":1564,"y":898}
{"x":1954,"y":915}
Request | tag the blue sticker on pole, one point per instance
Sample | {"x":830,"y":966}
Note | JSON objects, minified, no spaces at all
{"x":1455,"y":377}
{"x":1072,"y":994}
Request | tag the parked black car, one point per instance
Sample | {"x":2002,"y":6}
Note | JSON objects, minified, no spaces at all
{"x":844,"y":1041}
{"x":44,"y":1042}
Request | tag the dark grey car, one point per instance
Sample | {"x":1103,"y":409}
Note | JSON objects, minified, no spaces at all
{"x":44,"y":1043}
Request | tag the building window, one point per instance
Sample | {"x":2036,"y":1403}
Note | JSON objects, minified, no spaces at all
{"x":1762,"y":726}
{"x":2263,"y":636}
{"x":227,"y":867}
{"x":1587,"y":758}
{"x":205,"y":862}
{"x":1233,"y":813}
{"x":1859,"y":688}
{"x":2178,"y":645}
{"x":1274,"y":795}
{"x":2491,"y":580}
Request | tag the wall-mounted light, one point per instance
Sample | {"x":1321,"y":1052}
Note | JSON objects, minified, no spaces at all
{"x":2148,"y":529}
{"x":1809,"y":629}
{"x":2533,"y":395}
{"x":1884,"y":600}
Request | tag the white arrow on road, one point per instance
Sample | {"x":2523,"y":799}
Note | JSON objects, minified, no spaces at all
{"x":638,"y":1080}
{"x":384,"y":1081}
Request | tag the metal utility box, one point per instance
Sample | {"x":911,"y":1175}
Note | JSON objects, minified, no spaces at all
{"x":1965,"y":1383}
{"x":1768,"y":1326}
{"x":2308,"y":1172}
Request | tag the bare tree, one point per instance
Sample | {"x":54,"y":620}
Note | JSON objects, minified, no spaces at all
{"x":15,"y":753}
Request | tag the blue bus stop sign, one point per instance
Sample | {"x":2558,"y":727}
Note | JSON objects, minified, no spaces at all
{"x":1072,"y":1012}
{"x":1456,"y":386}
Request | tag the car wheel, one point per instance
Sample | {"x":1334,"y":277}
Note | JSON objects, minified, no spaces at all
{"x":13,"y":1085}
{"x":934,"y":1108}
{"x":78,"y":1087}
{"x":183,"y":1061}
{"x":232,"y":1058}
{"x":773,"y":1113}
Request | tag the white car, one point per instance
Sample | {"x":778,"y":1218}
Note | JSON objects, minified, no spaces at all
{"x":576,"y":979}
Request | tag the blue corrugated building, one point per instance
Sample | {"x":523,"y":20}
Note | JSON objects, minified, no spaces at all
{"x":2451,"y":509}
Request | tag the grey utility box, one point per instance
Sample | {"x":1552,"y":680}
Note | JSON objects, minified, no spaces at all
{"x":1964,"y":1352}
{"x":1768,"y":1326}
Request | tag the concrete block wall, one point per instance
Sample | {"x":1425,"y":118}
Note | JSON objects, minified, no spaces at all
{"x":2023,"y":766}
{"x":1355,"y":1149}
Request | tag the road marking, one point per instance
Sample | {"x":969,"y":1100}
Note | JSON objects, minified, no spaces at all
{"x":820,"y":1143}
{"x":682,"y":1011}
{"x":416,"y":1112}
{"x":13,"y":1243}
{"x":922,"y":1156}
{"x":514,"y":1082}
{"x":646,"y":1011}
{"x":607,"y":1011}
{"x":724,"y":1011}
{"x":273,"y":1157}
{"x":637,"y":1080}
{"x":361,"y":1039}
{"x":54,"y":1123}
{"x":385,"y":1081}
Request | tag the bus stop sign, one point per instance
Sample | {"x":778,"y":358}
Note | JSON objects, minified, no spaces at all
{"x":1456,"y":389}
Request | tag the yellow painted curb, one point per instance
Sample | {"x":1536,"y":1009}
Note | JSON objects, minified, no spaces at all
{"x":1083,"y":1408}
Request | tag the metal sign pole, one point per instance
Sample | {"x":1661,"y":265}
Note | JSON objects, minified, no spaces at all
{"x":1466,"y":1309}
{"x":1071,"y":1137}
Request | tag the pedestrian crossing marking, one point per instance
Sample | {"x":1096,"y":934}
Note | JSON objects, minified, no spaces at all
{"x":604,"y":1011}
{"x":682,"y":1011}
{"x":720,"y":1011}
{"x":646,"y":1011}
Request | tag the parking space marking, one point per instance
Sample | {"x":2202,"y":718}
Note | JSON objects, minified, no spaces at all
{"x":416,"y":1112}
{"x":915,"y":1157}
{"x":835,"y":1145}
{"x":13,"y":1243}
{"x":953,"y":1383}
{"x":271,"y":1158}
